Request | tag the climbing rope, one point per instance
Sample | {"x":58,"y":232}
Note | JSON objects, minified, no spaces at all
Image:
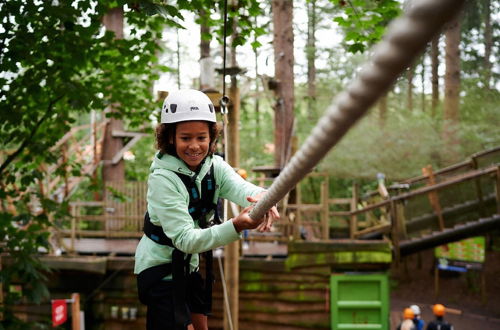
{"x":405,"y":39}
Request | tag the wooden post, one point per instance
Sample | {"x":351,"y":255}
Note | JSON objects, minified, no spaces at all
{"x":232,"y":250}
{"x":497,"y":190}
{"x":395,"y":230}
{"x":433,"y":196}
{"x":75,"y":311}
{"x":325,"y":210}
{"x":477,"y":182}
{"x":354,"y":205}
{"x":436,"y":281}
{"x":401,"y":220}
{"x":298,"y":218}
{"x":1,"y":292}
{"x":74,"y":212}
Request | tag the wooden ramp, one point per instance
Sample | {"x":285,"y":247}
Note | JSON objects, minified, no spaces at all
{"x":449,"y":235}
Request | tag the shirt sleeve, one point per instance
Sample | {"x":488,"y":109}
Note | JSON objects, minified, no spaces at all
{"x":168,"y":203}
{"x":232,"y":186}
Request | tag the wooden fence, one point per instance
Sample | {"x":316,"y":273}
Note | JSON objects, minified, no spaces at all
{"x":405,"y":214}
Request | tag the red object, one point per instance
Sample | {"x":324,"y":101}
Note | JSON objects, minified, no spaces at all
{"x":59,"y":312}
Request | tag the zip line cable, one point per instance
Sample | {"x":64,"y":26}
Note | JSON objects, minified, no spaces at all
{"x":405,"y":39}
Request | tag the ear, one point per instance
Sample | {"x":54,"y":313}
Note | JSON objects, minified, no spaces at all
{"x":171,"y":136}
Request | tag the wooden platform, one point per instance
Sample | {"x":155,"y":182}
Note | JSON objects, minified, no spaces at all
{"x":340,"y":255}
{"x":104,"y":246}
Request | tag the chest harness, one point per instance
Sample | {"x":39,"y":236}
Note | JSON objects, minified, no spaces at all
{"x":179,"y":268}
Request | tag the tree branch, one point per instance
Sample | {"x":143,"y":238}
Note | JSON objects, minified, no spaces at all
{"x":28,"y":139}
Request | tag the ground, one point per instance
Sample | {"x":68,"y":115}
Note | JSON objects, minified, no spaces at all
{"x":414,"y":283}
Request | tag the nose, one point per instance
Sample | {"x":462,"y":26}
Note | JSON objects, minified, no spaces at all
{"x":193,"y":145}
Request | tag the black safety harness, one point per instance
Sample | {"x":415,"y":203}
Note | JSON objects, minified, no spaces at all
{"x":198,"y":208}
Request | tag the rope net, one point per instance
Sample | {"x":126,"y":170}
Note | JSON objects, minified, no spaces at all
{"x":406,"y":37}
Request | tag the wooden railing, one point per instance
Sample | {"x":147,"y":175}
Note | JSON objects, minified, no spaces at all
{"x":399,"y":217}
{"x":412,"y":215}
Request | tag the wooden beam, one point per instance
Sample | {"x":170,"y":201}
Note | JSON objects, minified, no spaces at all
{"x":135,"y":138}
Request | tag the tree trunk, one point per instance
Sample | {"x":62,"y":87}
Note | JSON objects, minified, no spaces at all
{"x":113,"y":21}
{"x":232,"y":250}
{"x":488,"y":43}
{"x":283,"y":68}
{"x":452,"y":91}
{"x":311,"y":57}
{"x":422,"y":82}
{"x":435,"y":74}
{"x":409,"y":95}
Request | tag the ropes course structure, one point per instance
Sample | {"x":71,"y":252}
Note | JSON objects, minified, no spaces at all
{"x":405,"y":39}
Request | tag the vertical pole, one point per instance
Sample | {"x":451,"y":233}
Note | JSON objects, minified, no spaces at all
{"x":65,"y":164}
{"x":325,"y":210}
{"x":232,"y":252}
{"x":75,"y":311}
{"x":477,"y":182}
{"x":433,"y":195}
{"x":75,"y":210}
{"x":354,"y":218}
{"x":1,"y":292}
{"x":497,"y":190}
{"x":395,"y":230}
{"x":436,"y":281}
{"x":298,"y":218}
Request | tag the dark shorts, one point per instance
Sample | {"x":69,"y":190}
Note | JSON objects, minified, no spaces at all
{"x":160,"y":312}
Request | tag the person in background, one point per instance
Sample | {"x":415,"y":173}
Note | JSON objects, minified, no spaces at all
{"x":407,"y":323}
{"x":439,"y":323}
{"x":417,"y":319}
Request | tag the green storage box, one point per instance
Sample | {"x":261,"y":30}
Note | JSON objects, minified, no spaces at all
{"x":359,"y":301}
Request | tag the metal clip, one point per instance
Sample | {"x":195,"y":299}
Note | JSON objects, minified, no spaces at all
{"x":224,"y":102}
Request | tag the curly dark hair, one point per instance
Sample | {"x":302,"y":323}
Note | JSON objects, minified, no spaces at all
{"x":166,"y":133}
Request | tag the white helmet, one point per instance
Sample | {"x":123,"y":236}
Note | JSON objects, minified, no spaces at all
{"x":415,"y":309}
{"x":185,"y":105}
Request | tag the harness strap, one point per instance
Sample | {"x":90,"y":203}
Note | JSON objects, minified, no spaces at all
{"x":181,"y":312}
{"x":209,"y":278}
{"x":155,"y":233}
{"x":180,"y":266}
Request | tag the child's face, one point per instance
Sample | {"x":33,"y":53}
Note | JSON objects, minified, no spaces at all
{"x":192,"y":141}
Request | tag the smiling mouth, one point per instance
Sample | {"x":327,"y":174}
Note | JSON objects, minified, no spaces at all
{"x":194,"y":155}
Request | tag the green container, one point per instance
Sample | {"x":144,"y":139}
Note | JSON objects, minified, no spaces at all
{"x":359,"y":301}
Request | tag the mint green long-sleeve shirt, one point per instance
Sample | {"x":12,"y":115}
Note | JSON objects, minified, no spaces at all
{"x":168,"y":201}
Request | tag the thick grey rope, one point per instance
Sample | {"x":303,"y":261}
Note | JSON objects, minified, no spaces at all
{"x":405,"y":39}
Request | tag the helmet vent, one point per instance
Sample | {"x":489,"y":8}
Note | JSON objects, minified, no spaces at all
{"x":173,"y":108}
{"x":211,"y":107}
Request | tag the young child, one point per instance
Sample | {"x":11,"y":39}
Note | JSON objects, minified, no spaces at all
{"x":186,"y":179}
